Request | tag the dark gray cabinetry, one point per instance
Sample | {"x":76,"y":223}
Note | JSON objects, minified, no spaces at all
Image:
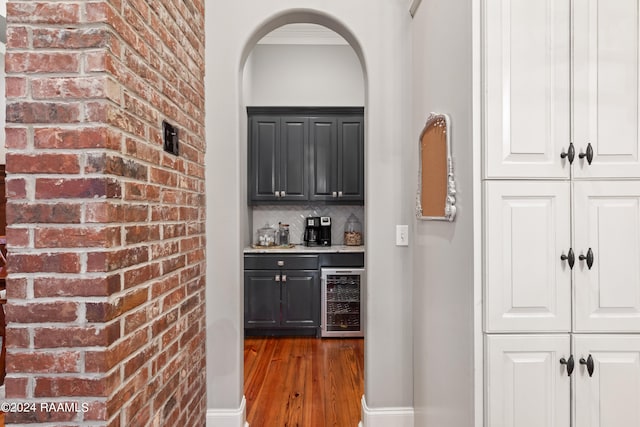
{"x":282,"y":291}
{"x":281,"y":295}
{"x":337,"y":153}
{"x":297,"y":154}
{"x":278,"y":158}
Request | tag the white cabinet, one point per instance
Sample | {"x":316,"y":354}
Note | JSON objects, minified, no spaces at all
{"x":541,"y":95}
{"x":605,"y":87}
{"x":528,"y":230}
{"x":610,"y":396}
{"x":528,"y":240}
{"x":561,"y":212}
{"x":526,"y":385}
{"x":606,"y":224}
{"x":527,"y":87}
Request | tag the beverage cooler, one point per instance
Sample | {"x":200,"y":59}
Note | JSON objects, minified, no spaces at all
{"x":342,"y":302}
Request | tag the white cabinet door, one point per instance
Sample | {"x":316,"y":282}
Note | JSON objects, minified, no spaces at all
{"x":527,"y":231}
{"x":526,"y":386}
{"x":606,"y":90}
{"x":607,"y":222}
{"x":527,"y":88}
{"x":611,"y":396}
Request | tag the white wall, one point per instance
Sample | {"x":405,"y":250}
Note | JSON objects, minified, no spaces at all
{"x":309,"y":75}
{"x":443,"y":258}
{"x":379,"y":32}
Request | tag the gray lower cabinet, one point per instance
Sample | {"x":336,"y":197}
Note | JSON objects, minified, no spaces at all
{"x":281,"y":295}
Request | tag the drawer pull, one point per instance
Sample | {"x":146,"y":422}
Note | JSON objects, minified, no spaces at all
{"x":280,"y":263}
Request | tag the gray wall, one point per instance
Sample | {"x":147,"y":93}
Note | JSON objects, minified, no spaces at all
{"x":312,"y":75}
{"x":379,"y":32}
{"x":443,"y":257}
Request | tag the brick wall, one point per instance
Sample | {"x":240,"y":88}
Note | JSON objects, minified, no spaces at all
{"x":105,"y":230}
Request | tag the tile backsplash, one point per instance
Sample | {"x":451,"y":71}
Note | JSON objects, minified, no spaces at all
{"x":294,"y":215}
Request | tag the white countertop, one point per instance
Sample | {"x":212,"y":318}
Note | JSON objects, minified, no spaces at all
{"x":306,"y":249}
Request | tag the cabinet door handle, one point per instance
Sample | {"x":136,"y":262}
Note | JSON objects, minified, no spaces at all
{"x":282,"y":194}
{"x":589,"y":258}
{"x":334,"y":194}
{"x":588,"y":154}
{"x":284,"y":277}
{"x":570,"y":154}
{"x":277,"y":278}
{"x":277,"y":193}
{"x":339,"y":193}
{"x":589,"y":363}
{"x":570,"y":257}
{"x":569,"y":363}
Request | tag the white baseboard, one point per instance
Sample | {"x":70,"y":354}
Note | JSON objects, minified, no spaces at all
{"x":228,"y":417}
{"x":385,"y":417}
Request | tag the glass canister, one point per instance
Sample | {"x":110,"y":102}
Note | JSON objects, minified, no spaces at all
{"x":353,"y":231}
{"x":266,"y":236}
{"x":283,"y":234}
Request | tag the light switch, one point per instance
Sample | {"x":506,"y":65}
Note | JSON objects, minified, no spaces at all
{"x":402,"y":235}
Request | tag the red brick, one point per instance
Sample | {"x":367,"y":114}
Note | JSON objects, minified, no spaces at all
{"x":16,"y":87}
{"x":16,"y":138}
{"x":17,"y":237}
{"x":44,"y":263}
{"x":94,"y":137}
{"x":42,"y":112}
{"x":71,"y":38}
{"x":81,"y":286}
{"x":44,"y":362}
{"x":49,"y":213}
{"x":49,"y":312}
{"x":17,"y":337}
{"x":43,"y":163}
{"x":77,"y":237}
{"x":76,"y":336}
{"x":21,"y":62}
{"x":70,"y":88}
{"x":43,"y":13}
{"x":48,"y":188}
{"x":15,"y":388}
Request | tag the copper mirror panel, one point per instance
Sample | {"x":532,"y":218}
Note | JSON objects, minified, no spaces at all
{"x":436,"y":184}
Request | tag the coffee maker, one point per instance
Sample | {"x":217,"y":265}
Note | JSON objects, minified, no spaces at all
{"x":312,"y":231}
{"x":324,"y":238}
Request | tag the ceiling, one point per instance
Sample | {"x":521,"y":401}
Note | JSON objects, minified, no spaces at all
{"x":303,"y":34}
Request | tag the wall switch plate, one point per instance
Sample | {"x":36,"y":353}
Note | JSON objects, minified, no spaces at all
{"x":402,"y":235}
{"x":170,"y":138}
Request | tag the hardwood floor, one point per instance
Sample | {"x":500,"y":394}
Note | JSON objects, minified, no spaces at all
{"x":303,"y":382}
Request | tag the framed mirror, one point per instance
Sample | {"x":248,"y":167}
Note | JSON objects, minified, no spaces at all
{"x":436,"y":184}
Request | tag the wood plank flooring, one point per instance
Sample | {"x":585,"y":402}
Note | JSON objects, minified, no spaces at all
{"x":303,"y":382}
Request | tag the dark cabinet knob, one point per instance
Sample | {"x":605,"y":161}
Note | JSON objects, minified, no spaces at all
{"x":588,"y":258}
{"x":570,"y":258}
{"x":589,"y":363}
{"x":569,"y":363}
{"x":570,"y":154}
{"x":588,"y":154}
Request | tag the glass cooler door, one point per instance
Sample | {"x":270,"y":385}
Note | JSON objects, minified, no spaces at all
{"x":342,"y":302}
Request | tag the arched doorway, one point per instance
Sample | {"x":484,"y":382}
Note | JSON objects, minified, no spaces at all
{"x":233,"y":30}
{"x":290,"y":377}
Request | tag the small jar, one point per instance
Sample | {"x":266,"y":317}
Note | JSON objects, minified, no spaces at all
{"x":266,"y":236}
{"x":353,"y":231}
{"x":283,"y":234}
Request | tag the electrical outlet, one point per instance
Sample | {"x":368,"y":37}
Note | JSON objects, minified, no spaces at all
{"x":402,"y":235}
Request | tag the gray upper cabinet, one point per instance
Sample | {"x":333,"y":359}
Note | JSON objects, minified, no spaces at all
{"x":297,"y":154}
{"x":278,"y":158}
{"x":337,"y":152}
